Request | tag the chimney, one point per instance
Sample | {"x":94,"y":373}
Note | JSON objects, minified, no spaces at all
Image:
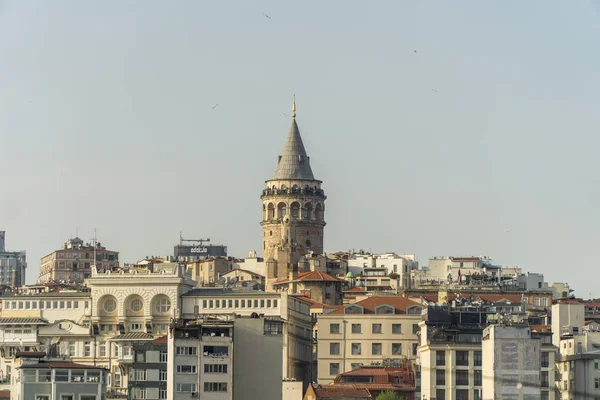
{"x":2,"y":236}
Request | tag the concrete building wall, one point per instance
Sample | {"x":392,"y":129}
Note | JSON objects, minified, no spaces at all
{"x":254,"y":349}
{"x":511,"y":363}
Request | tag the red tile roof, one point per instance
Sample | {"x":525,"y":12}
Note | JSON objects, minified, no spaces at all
{"x":383,"y":378}
{"x":369,"y":304}
{"x":160,"y":340}
{"x":340,"y":392}
{"x":356,"y":289}
{"x":313,"y":303}
{"x":311,"y":276}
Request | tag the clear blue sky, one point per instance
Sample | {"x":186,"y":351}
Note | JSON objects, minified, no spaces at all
{"x":107,"y":122}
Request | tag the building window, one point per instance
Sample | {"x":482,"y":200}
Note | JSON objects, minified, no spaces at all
{"x":186,"y":387}
{"x":136,"y":305}
{"x":163,"y":375}
{"x":462,"y":358}
{"x":462,"y":377}
{"x":376,"y":328}
{"x":186,"y":369}
{"x":273,"y":328}
{"x":215,"y":368}
{"x":396,"y":349}
{"x":163,"y":305}
{"x":415,"y":347}
{"x":185,"y":351}
{"x":440,"y":357}
{"x":42,"y":397}
{"x":66,"y":397}
{"x":546,"y":382}
{"x":117,"y":379}
{"x":440,"y":394}
{"x":139,"y":393}
{"x":334,"y":369}
{"x":477,"y":358}
{"x":462,"y":394}
{"x":596,"y":364}
{"x":356,"y":328}
{"x":376,"y":349}
{"x":334,"y":348}
{"x":102,"y":349}
{"x":110,"y":305}
{"x":356,"y":348}
{"x":396,"y":328}
{"x":163,"y":357}
{"x":477,"y":377}
{"x":140,"y":374}
{"x":545,"y":396}
{"x":215,"y":386}
{"x":440,"y":377}
{"x":545,"y":359}
{"x":415,"y":329}
{"x":87,"y":349}
{"x":334,"y":328}
{"x":162,"y":393}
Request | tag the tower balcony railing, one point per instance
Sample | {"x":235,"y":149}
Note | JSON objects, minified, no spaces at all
{"x":294,"y":192}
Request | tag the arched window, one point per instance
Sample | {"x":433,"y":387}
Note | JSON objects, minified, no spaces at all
{"x":307,"y":211}
{"x":319,"y":212}
{"x":295,"y":210}
{"x":281,"y":210}
{"x":270,"y":211}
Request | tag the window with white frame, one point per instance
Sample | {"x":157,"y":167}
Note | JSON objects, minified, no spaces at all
{"x":186,"y":387}
{"x":186,"y":369}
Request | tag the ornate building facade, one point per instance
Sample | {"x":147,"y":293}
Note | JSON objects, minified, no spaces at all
{"x":293,"y":208}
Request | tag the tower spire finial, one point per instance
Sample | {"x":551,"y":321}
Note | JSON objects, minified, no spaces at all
{"x":294,"y":108}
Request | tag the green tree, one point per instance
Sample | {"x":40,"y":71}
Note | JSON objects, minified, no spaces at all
{"x":390,"y":395}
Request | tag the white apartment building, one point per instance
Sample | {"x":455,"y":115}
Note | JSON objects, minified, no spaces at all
{"x":390,"y":262}
{"x":369,"y":332}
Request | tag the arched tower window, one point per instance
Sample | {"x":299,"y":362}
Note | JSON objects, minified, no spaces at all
{"x":264,"y":212}
{"x":295,"y":210}
{"x":281,"y":210}
{"x":270,"y":211}
{"x":307,"y":211}
{"x":319,"y":212}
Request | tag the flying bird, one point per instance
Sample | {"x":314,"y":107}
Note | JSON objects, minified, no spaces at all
{"x":266,"y":15}
{"x":415,"y":51}
{"x":434,"y":90}
{"x":215,"y":106}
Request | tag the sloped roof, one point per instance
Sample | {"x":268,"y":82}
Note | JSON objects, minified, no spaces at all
{"x":22,"y":321}
{"x":293,"y":161}
{"x":134,"y":336}
{"x":311,"y":276}
{"x":395,"y":378}
{"x":161,"y":340}
{"x":356,"y":289}
{"x":242,"y":270}
{"x":340,"y":392}
{"x":369,"y":304}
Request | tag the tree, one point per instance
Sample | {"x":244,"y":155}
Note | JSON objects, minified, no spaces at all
{"x":390,"y":395}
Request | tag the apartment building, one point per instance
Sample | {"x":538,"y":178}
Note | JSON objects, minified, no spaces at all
{"x":57,"y":380}
{"x":208,"y":271}
{"x":202,"y":361}
{"x":275,"y":328}
{"x":74,"y":260}
{"x":369,"y":332}
{"x":451,"y":353}
{"x":149,"y":370}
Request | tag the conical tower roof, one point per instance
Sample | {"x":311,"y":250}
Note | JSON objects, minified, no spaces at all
{"x":293,"y":163}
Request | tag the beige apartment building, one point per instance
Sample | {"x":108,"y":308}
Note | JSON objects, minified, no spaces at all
{"x":374,"y":331}
{"x":208,"y":272}
{"x":73,"y":262}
